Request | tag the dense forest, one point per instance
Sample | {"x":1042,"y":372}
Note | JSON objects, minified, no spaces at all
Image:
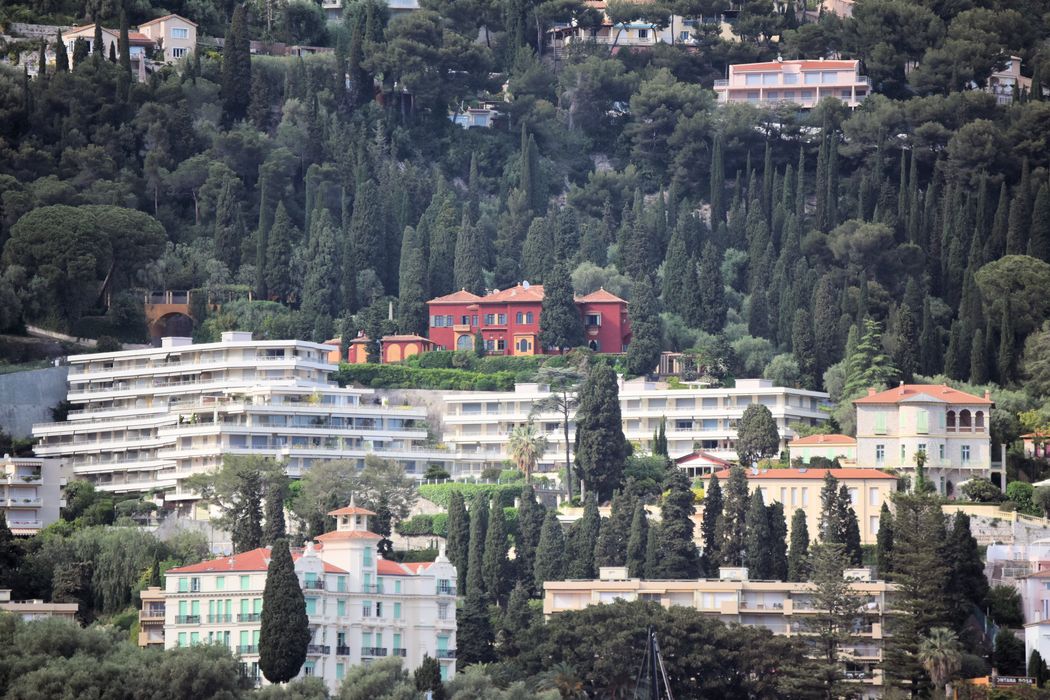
{"x":827,"y":248}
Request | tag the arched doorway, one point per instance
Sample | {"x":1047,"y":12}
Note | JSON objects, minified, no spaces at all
{"x":174,"y":324}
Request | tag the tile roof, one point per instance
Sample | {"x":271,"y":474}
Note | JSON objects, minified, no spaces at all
{"x":385,"y":567}
{"x":348,"y":535}
{"x":171,"y":16}
{"x":459,"y":297}
{"x":704,"y":456}
{"x":252,"y":560}
{"x":830,"y":439}
{"x":600,"y":296}
{"x":533,"y":292}
{"x":350,"y":510}
{"x":845,"y":473}
{"x":921,"y":392}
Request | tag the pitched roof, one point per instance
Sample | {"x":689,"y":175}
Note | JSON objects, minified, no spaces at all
{"x":385,"y":567}
{"x":417,"y":566}
{"x":252,"y":560}
{"x":830,"y":439}
{"x":460,"y":297}
{"x":703,"y":456}
{"x":350,"y":510}
{"x":171,"y":16}
{"x":803,"y":473}
{"x":406,"y":337}
{"x":348,"y":535}
{"x":139,"y":38}
{"x":600,"y":296}
{"x":519,"y":292}
{"x":936,"y":393}
{"x":804,"y":65}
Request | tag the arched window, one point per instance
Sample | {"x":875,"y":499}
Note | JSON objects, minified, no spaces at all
{"x":951,"y":420}
{"x":465,"y":342}
{"x":593,"y":345}
{"x":965,"y":422}
{"x":978,"y":421}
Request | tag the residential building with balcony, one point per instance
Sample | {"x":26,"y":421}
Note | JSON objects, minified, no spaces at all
{"x":360,"y":607}
{"x":800,"y":488}
{"x":145,"y":420}
{"x":31,"y":492}
{"x":477,"y":425}
{"x":804,"y":83}
{"x":151,"y":618}
{"x":840,"y":447}
{"x":509,"y":321}
{"x":782,"y":607}
{"x":949,"y":426}
{"x":175,"y":37}
{"x":30,"y":610}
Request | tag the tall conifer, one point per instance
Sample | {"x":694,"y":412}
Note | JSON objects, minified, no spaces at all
{"x":284,"y":629}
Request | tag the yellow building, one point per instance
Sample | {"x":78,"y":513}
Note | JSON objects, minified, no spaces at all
{"x":151,"y":618}
{"x":841,"y":447}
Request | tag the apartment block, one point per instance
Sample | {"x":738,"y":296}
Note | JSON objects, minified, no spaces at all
{"x":151,"y":618}
{"x":949,"y":426}
{"x":360,"y":607}
{"x":31,"y":492}
{"x":147,"y":419}
{"x":782,"y":607}
{"x":477,"y":425}
{"x":804,"y":83}
{"x":30,"y":610}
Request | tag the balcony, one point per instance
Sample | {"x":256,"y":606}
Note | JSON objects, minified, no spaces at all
{"x":214,"y":619}
{"x":318,"y":649}
{"x":446,"y":653}
{"x":247,"y":649}
{"x":446,"y":590}
{"x":403,"y":653}
{"x":249,"y":617}
{"x":373,"y":651}
{"x":187,"y":619}
{"x":342,"y":651}
{"x":371,"y":588}
{"x":151,"y":615}
{"x":313,"y":585}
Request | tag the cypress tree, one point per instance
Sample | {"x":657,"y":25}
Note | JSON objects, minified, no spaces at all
{"x":732,"y":530}
{"x":467,"y":270}
{"x":711,"y":285}
{"x":652,"y":548}
{"x":561,"y":326}
{"x":320,"y":290}
{"x":637,"y":543}
{"x":427,"y":678}
{"x":709,"y":524}
{"x":718,"y":181}
{"x":929,"y":342}
{"x":80,"y":51}
{"x":41,"y":60}
{"x":278,"y":259}
{"x":967,"y":585}
{"x":905,"y":356}
{"x":530,"y":522}
{"x":1039,"y":242}
{"x":678,"y":557}
{"x":758,"y":554}
{"x":884,"y":544}
{"x":803,"y":347}
{"x":284,"y":629}
{"x":495,"y":567}
{"x":10,"y":554}
{"x":1019,"y":223}
{"x":660,"y":439}
{"x":98,"y":46}
{"x":442,"y":227}
{"x":236,"y":80}
{"x":777,"y":541}
{"x":832,"y":204}
{"x":538,"y":252}
{"x":677,"y":275}
{"x":229,"y":225}
{"x":820,"y":217}
{"x":479,"y":515}
{"x":474,"y":633}
{"x":550,"y":553}
{"x":1006,"y":347}
{"x":1037,"y":668}
{"x":800,"y":188}
{"x":643,"y":353}
{"x":953,"y":358}
{"x":585,"y":541}
{"x":457,"y":543}
{"x":798,"y":552}
{"x":638,"y":245}
{"x":530,"y":182}
{"x":365,"y":233}
{"x":246,"y":530}
{"x":601,"y":448}
{"x":995,"y":248}
{"x":61,"y":56}
{"x":112,"y":53}
{"x":978,"y":360}
{"x":758,"y":315}
{"x":125,"y":45}
{"x":611,"y":547}
{"x":276,"y":493}
{"x":411,"y":302}
{"x":851,"y":538}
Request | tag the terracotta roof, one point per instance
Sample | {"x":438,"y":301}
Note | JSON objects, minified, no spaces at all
{"x":921,"y":392}
{"x":252,"y":560}
{"x":351,"y":510}
{"x":1045,"y":573}
{"x":407,"y":337}
{"x":140,"y":38}
{"x":172,"y":16}
{"x":601,"y":296}
{"x":348,"y":535}
{"x":534,"y":292}
{"x":804,"y":65}
{"x":831,"y":439}
{"x":1036,"y":435}
{"x":846,"y":473}
{"x":459,"y":297}
{"x":705,"y":456}
{"x":417,"y":566}
{"x":385,"y":567}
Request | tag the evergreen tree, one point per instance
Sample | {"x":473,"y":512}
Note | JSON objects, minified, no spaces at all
{"x":1006,"y":347}
{"x":837,"y":610}
{"x":757,"y":436}
{"x":660,"y":439}
{"x":510,"y":237}
{"x":479,"y":516}
{"x":758,"y":555}
{"x":229,"y":224}
{"x":868,"y":365}
{"x":550,"y":553}
{"x":709,"y":524}
{"x":718,"y":181}
{"x":61,"y":57}
{"x":678,"y":557}
{"x":320,"y":290}
{"x":758,"y":315}
{"x":442,"y":227}
{"x":905,"y":357}
{"x":713,"y":305}
{"x":276,"y":493}
{"x":530,"y":522}
{"x":978,"y":360}
{"x":831,"y":525}
{"x":611,"y":546}
{"x":278,"y":260}
{"x":457,"y":543}
{"x":80,"y":51}
{"x":125,"y":54}
{"x":10,"y":554}
{"x":884,"y":544}
{"x":467,"y":271}
{"x":284,"y":629}
{"x":365,"y":239}
{"x":732,"y":526}
{"x":474,"y":633}
{"x":98,"y":46}
{"x":246,"y":529}
{"x":825,"y":320}
{"x":1039,"y":241}
{"x":411,"y":303}
{"x":929,"y":342}
{"x":531,"y":181}
{"x":798,"y":552}
{"x":601,"y":448}
{"x":778,"y":541}
{"x":967,"y":584}
{"x":677,"y":276}
{"x":427,"y":678}
{"x":637,"y":543}
{"x":1020,"y":221}
{"x":495,"y":566}
{"x":643,"y":352}
{"x":1037,"y":669}
{"x":236,"y":80}
{"x":851,"y":539}
{"x":585,"y":541}
{"x":560,"y":324}
{"x":515,"y":623}
{"x":803,"y":347}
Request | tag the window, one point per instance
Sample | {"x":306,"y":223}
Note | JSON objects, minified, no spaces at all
{"x":311,"y":606}
{"x":528,"y":317}
{"x":442,"y":611}
{"x":904,"y":455}
{"x":593,"y":319}
{"x":752,"y":95}
{"x":379,"y":608}
{"x":244,"y":582}
{"x":178,"y":53}
{"x":368,"y":556}
{"x":789,"y":94}
{"x":182,"y":639}
{"x":965,"y":453}
{"x":791,"y":79}
{"x":753,"y":79}
{"x":519,"y":317}
{"x":366,"y":609}
{"x":490,"y":319}
{"x":940,"y":451}
{"x":807,"y":95}
{"x":220,"y":583}
{"x":684,"y":36}
{"x":770,"y":78}
{"x":179,"y":33}
{"x":880,"y":423}
{"x":922,"y":421}
{"x":308,"y":668}
{"x":397,"y":611}
{"x":812,"y":78}
{"x":643,"y":33}
{"x":397,"y":586}
{"x":195,"y":638}
{"x":805,"y":497}
{"x":845,"y":94}
{"x":501,"y":319}
{"x":524,"y":345}
{"x":464,"y":320}
{"x":340,"y":671}
{"x":829,"y":77}
{"x":873,"y":496}
{"x":184,"y":585}
{"x":880,"y":454}
{"x":195,"y":584}
{"x":340,"y":584}
{"x":340,"y":608}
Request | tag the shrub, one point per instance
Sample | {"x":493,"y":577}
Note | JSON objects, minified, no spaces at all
{"x":441,"y":493}
{"x":981,"y":491}
{"x":407,"y":377}
{"x":1004,"y":606}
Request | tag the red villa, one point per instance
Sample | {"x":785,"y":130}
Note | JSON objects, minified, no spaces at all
{"x":509,"y":320}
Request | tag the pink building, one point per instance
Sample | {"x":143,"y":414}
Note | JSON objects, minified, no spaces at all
{"x":800,"y":82}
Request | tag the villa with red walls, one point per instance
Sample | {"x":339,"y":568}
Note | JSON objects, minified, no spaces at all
{"x":509,"y":320}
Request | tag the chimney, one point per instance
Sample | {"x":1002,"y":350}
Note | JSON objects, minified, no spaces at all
{"x":871,"y":391}
{"x":987,"y":395}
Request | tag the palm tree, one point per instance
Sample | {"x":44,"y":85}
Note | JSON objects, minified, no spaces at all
{"x":563,"y":678}
{"x":940,"y":655}
{"x":526,"y":448}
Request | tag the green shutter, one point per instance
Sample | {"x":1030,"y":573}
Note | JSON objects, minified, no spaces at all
{"x":923,"y":421}
{"x":880,"y":423}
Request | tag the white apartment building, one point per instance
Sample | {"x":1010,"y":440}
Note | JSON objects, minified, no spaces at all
{"x":147,"y":419}
{"x":477,"y":424}
{"x":949,"y":426}
{"x":30,"y":492}
{"x":804,"y":83}
{"x":780,"y":606}
{"x":360,"y":607}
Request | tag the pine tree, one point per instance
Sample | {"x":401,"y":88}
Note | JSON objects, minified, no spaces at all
{"x":803,"y":347}
{"x":868,"y":365}
{"x":276,"y":493}
{"x":1039,"y":241}
{"x":678,"y":557}
{"x":467,"y":271}
{"x":411,"y":303}
{"x":246,"y":529}
{"x":585,"y":541}
{"x":550,"y":553}
{"x":474,"y":633}
{"x":495,"y":566}
{"x":61,"y":57}
{"x":457,"y":543}
{"x":831,"y":525}
{"x":601,"y":448}
{"x":712,"y":290}
{"x":637,"y":543}
{"x":777,"y":541}
{"x":561,"y":326}
{"x":611,"y":546}
{"x":284,"y":629}
{"x":427,"y":678}
{"x":837,"y":610}
{"x":884,"y":544}
{"x":709,"y":525}
{"x":479,"y":515}
{"x":732,"y":530}
{"x":643,"y":353}
{"x":236,"y":78}
{"x":278,"y":260}
{"x":758,"y":555}
{"x":798,"y":552}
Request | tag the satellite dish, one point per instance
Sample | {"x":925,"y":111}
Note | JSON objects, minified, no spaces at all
{"x":525,"y":284}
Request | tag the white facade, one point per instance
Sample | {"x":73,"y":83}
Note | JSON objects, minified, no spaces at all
{"x":30,"y":492}
{"x":360,"y":607}
{"x":477,"y":425}
{"x":147,"y":419}
{"x":804,"y":83}
{"x":949,"y":426}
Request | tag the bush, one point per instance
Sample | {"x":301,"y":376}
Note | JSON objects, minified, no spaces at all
{"x":982,"y":491}
{"x":511,"y":475}
{"x":491,"y":473}
{"x":408,"y":377}
{"x":414,"y":555}
{"x":1004,"y":606}
{"x":441,"y":493}
{"x":436,"y":473}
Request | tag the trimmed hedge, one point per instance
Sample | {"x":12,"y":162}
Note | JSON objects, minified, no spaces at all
{"x":442,"y":493}
{"x":379,"y":376}
{"x":421,"y":525}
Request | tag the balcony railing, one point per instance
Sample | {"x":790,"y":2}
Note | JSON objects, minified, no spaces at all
{"x":187,"y":619}
{"x":151,"y":615}
{"x":220,"y":618}
{"x":249,"y":617}
{"x":314,"y":585}
{"x":342,"y":651}
{"x":371,"y":588}
{"x":446,"y":653}
{"x":247,"y":649}
{"x":401,"y":652}
{"x":318,"y":649}
{"x":373,"y":651}
{"x":446,"y":590}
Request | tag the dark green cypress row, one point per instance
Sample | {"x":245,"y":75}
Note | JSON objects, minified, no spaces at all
{"x":479,"y":515}
{"x":759,"y":555}
{"x":637,"y":542}
{"x":798,"y":551}
{"x":495,"y":567}
{"x":550,"y":553}
{"x":458,"y":541}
